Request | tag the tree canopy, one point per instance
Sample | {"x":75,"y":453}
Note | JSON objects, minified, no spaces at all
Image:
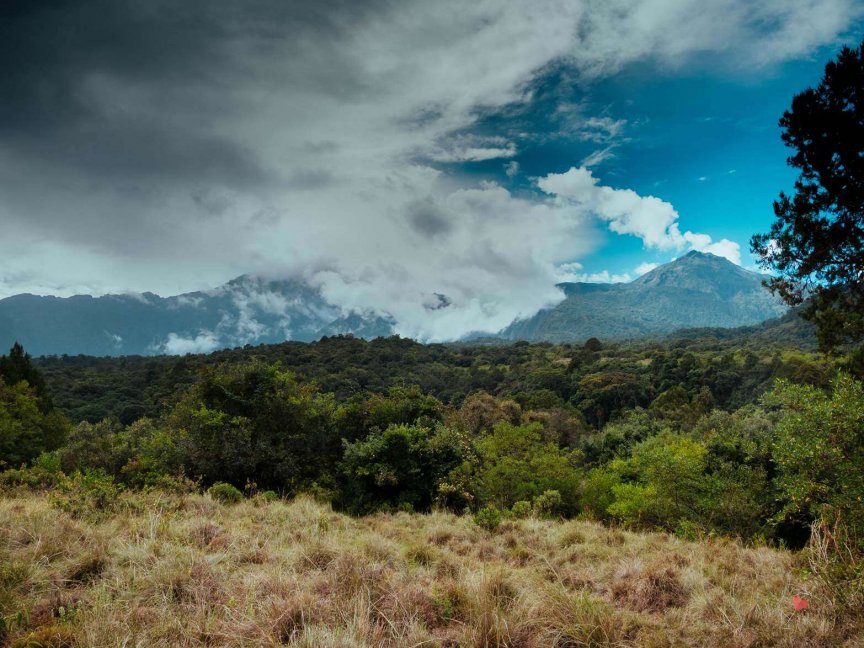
{"x":816,"y":244}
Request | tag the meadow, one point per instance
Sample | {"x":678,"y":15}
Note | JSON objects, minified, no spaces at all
{"x":162,"y":569}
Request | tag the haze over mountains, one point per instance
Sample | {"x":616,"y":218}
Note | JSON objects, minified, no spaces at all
{"x":696,"y":290}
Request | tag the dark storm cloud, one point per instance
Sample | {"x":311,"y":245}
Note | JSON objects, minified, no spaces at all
{"x":427,"y":218}
{"x":59,"y":62}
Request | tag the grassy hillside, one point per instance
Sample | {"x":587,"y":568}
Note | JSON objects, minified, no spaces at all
{"x":155,"y":569}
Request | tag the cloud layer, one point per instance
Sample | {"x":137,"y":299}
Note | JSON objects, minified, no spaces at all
{"x":165,"y":147}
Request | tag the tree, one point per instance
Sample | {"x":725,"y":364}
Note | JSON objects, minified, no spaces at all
{"x":26,"y":431}
{"x":401,"y":466}
{"x":18,"y":366}
{"x":256,"y":422}
{"x":820,"y":451}
{"x":816,"y":243}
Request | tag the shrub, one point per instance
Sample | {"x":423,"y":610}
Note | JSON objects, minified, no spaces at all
{"x":819,"y":450}
{"x":88,"y":495}
{"x":515,"y":464}
{"x":400,"y":466}
{"x":225,"y":493}
{"x":45,"y":473}
{"x":269,"y":496}
{"x":521,"y":509}
{"x":488,"y":518}
{"x":548,"y":504}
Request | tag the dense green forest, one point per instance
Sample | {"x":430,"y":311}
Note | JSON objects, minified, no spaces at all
{"x":735,"y":368}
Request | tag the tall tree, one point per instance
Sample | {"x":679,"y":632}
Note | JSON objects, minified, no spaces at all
{"x":18,"y":366}
{"x":816,"y":244}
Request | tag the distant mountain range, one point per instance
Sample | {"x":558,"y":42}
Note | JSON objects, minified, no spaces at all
{"x":246,"y":310}
{"x":696,"y":290}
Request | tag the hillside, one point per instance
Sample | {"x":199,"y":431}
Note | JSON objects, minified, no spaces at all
{"x":696,"y":290}
{"x":172,"y":570}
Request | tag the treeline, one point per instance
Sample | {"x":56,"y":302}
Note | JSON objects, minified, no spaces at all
{"x":599,"y":380}
{"x":763,"y":471}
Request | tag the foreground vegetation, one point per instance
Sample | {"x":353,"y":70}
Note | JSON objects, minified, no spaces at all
{"x":728,"y":482}
{"x":162,"y":569}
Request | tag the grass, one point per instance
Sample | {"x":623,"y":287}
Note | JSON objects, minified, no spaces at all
{"x":170,"y":570}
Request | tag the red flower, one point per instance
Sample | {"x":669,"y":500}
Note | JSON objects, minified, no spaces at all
{"x":800,"y":604}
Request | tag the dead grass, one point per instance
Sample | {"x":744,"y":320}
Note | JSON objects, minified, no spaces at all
{"x":188,"y":571}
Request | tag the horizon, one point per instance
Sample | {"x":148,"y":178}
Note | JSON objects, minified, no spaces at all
{"x":447,"y":166}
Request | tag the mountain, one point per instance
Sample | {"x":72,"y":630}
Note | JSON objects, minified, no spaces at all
{"x":246,"y":310}
{"x":696,"y":290}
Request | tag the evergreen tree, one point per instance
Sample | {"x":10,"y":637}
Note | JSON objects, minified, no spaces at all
{"x":18,"y":366}
{"x":816,"y":244}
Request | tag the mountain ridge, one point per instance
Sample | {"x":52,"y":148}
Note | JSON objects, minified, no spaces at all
{"x":697,"y":290}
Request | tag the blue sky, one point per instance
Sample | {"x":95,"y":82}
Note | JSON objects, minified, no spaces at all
{"x":704,"y":138}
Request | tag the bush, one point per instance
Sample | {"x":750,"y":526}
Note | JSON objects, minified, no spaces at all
{"x":819,"y":450}
{"x":89,"y":495}
{"x":45,"y":473}
{"x":548,"y":504}
{"x":225,"y":493}
{"x":269,"y":496}
{"x":488,"y":518}
{"x":521,"y":510}
{"x":515,"y":464}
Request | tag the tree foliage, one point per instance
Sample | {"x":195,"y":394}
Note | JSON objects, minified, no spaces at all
{"x":816,"y":243}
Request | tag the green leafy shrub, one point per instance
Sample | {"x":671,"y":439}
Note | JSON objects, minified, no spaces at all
{"x":403,"y":465}
{"x":89,"y":495}
{"x":488,"y":518}
{"x":515,"y":464}
{"x":269,"y":496}
{"x":225,"y":493}
{"x":521,"y":509}
{"x":548,"y":504}
{"x":819,"y":450}
{"x":44,"y":473}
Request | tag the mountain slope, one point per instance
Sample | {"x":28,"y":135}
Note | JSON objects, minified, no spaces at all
{"x":696,"y":290}
{"x":246,"y":310}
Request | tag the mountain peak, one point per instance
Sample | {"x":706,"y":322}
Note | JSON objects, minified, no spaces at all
{"x":700,"y":271}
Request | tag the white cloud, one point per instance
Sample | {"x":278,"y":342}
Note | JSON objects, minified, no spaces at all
{"x":511,"y":168}
{"x":724,"y":247}
{"x":600,"y":129}
{"x":644,"y":268}
{"x":602,"y":277}
{"x":598,"y":157}
{"x":651,"y":219}
{"x":204,"y":342}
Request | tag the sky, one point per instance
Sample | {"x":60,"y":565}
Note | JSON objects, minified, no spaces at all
{"x":390,"y":152}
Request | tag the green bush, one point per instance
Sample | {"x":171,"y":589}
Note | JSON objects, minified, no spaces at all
{"x":819,"y":450}
{"x":402,"y":466}
{"x":521,"y":510}
{"x":91,"y":495}
{"x":225,"y":493}
{"x":515,"y":464}
{"x":548,"y":504}
{"x":488,"y":518}
{"x":269,"y":496}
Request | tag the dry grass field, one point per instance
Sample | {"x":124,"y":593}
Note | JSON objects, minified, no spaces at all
{"x":171,"y":570}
